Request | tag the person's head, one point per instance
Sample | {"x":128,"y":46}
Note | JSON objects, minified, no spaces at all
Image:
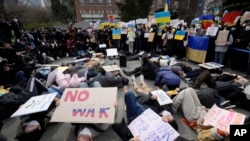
{"x":84,"y":135}
{"x":125,"y":81}
{"x":215,"y":24}
{"x":31,"y":126}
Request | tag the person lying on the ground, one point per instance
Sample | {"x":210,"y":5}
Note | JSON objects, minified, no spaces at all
{"x":63,"y":79}
{"x":219,"y":80}
{"x":18,"y":95}
{"x":110,"y":79}
{"x":35,"y":124}
{"x":193,"y":111}
{"x":147,"y":68}
{"x":87,"y":132}
{"x":146,"y":98}
{"x":164,"y":76}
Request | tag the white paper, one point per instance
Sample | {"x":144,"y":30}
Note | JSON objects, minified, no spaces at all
{"x":162,"y":97}
{"x":112,"y":52}
{"x":102,"y":46}
{"x":35,"y":104}
{"x":150,"y":127}
{"x":212,"y":31}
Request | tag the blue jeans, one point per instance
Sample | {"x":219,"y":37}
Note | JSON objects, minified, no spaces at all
{"x":219,"y":57}
{"x":133,"y":108}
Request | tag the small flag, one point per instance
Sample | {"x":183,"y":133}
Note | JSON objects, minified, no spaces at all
{"x":167,"y":5}
{"x":116,"y":34}
{"x":216,"y":11}
{"x":162,"y":17}
{"x":179,"y":35}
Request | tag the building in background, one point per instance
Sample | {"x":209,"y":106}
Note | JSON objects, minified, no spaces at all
{"x":98,"y":10}
{"x":209,"y":6}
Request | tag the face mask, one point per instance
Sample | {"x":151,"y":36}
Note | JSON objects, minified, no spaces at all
{"x":15,"y":20}
{"x":247,"y":28}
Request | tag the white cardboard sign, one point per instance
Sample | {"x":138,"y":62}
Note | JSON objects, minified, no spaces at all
{"x":112,"y":52}
{"x":150,"y":127}
{"x":162,"y":97}
{"x":35,"y":104}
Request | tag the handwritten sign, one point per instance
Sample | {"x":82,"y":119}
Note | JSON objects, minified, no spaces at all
{"x":35,"y":104}
{"x":222,"y":38}
{"x":211,"y":65}
{"x":112,"y":52}
{"x":222,"y":119}
{"x":212,"y":31}
{"x":111,"y":68}
{"x":102,"y":45}
{"x":162,"y":97}
{"x":86,"y":105}
{"x":150,"y":127}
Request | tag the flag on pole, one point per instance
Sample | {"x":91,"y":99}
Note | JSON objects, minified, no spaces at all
{"x":167,"y":5}
{"x":162,"y":17}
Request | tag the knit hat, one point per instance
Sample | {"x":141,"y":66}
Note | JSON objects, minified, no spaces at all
{"x":32,"y":122}
{"x":85,"y":131}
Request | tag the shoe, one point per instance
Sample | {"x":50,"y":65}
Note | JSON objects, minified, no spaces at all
{"x":225,"y":103}
{"x":141,"y":79}
{"x":125,"y":72}
{"x":230,"y":107}
{"x":133,"y":79}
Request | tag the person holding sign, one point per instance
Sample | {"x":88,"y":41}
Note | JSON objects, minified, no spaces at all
{"x":224,"y":39}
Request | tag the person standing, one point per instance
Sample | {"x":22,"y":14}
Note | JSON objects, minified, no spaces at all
{"x":131,"y":40}
{"x":220,"y":50}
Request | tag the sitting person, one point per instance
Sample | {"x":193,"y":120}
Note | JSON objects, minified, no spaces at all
{"x":164,"y":76}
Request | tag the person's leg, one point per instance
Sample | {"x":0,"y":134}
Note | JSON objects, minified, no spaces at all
{"x":97,"y":84}
{"x":145,"y":88}
{"x":216,"y":57}
{"x":133,"y":108}
{"x":137,"y":89}
{"x":51,"y":78}
{"x":221,"y":57}
{"x":187,"y":99}
{"x":84,"y":85}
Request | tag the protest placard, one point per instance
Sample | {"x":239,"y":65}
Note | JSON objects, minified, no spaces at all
{"x":102,"y":45}
{"x":162,"y":97}
{"x":150,"y":127}
{"x":111,"y":68}
{"x":212,"y":31}
{"x":112,"y":52}
{"x":35,"y":104}
{"x":211,"y":65}
{"x":86,"y":105}
{"x":222,"y":38}
{"x":151,"y":37}
{"x":222,"y":119}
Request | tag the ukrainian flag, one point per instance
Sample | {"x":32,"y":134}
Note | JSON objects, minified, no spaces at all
{"x":179,"y":35}
{"x":167,"y":4}
{"x":116,"y":34}
{"x":197,"y":48}
{"x":159,"y":32}
{"x":162,"y":17}
{"x":162,"y":25}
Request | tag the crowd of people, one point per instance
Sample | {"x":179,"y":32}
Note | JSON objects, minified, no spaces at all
{"x":22,"y":50}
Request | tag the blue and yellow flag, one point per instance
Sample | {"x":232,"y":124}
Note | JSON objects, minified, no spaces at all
{"x":216,"y":10}
{"x":197,"y":48}
{"x":162,"y":17}
{"x":162,"y":26}
{"x":116,"y":34}
{"x":206,"y":20}
{"x":179,"y":35}
{"x":159,"y":32}
{"x":167,"y":5}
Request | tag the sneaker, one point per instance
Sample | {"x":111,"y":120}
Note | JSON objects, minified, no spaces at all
{"x":133,"y":79}
{"x":230,"y":107}
{"x":141,"y":79}
{"x":225,"y":103}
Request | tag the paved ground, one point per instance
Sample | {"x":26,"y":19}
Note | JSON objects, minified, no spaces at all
{"x":63,"y":131}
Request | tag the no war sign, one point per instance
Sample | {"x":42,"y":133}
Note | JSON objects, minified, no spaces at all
{"x":86,"y":105}
{"x":239,"y":132}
